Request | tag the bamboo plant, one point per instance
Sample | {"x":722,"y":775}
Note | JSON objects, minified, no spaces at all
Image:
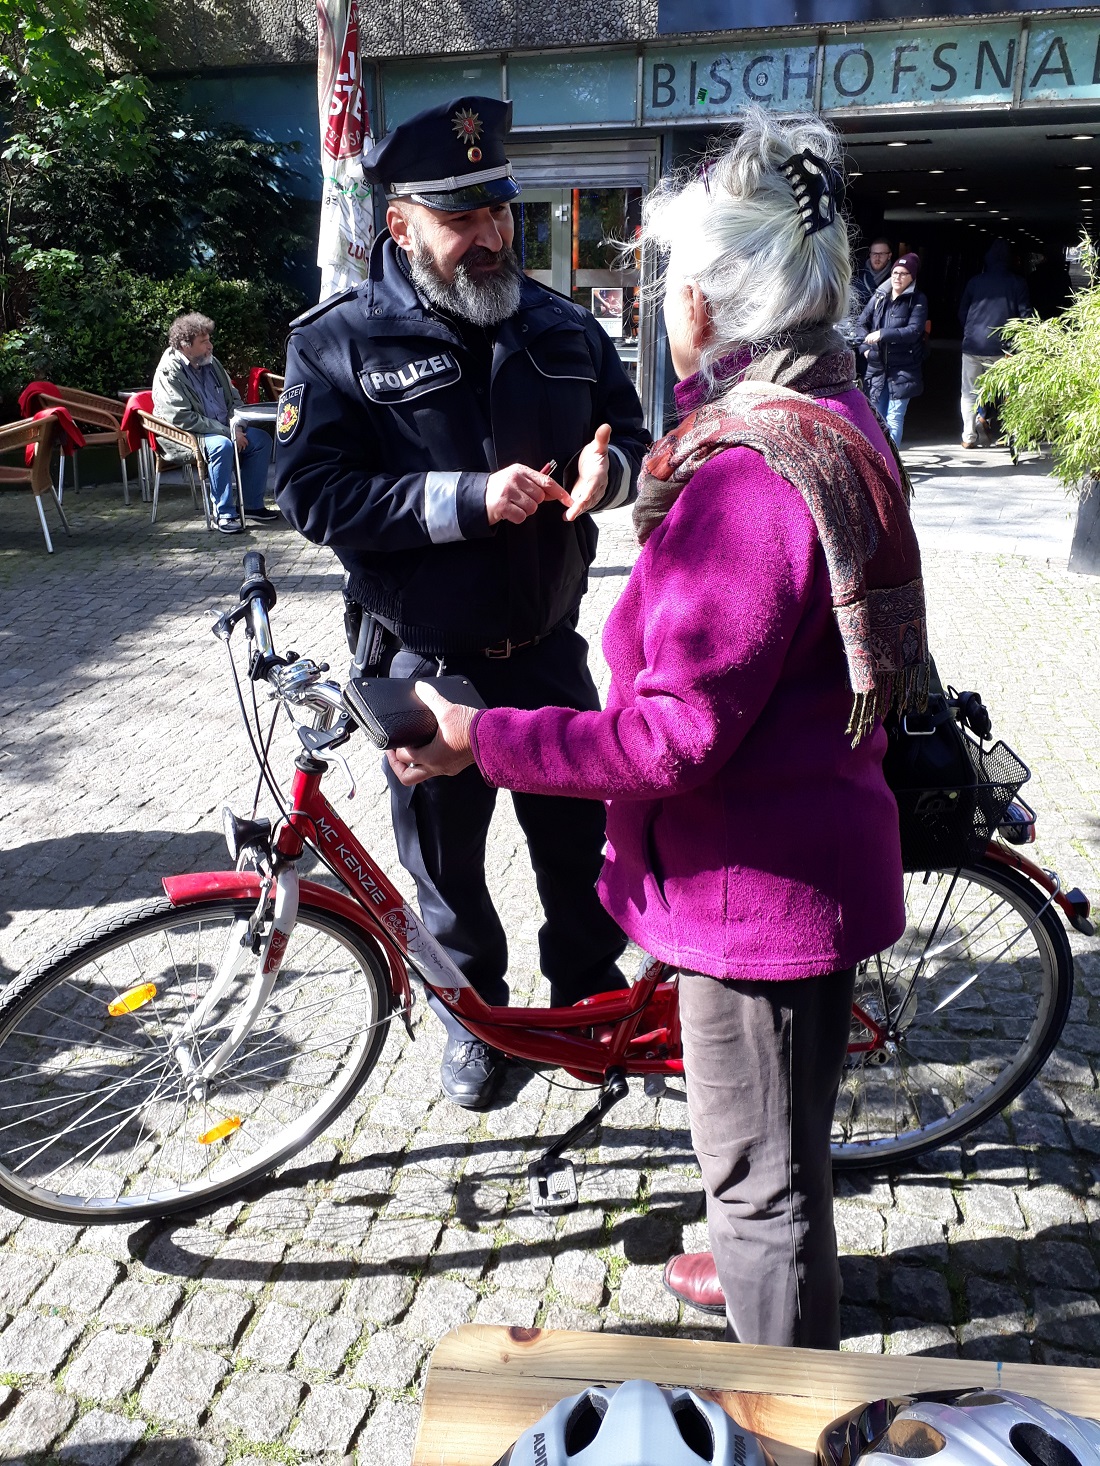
{"x":1047,"y":387}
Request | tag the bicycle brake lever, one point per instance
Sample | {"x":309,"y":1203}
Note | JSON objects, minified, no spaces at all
{"x":324,"y":742}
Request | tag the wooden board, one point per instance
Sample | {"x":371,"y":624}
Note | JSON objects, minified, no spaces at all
{"x":485,"y":1385}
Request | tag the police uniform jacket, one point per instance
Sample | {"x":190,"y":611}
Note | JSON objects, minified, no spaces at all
{"x":390,"y":425}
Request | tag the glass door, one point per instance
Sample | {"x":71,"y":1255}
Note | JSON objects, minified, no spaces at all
{"x":580,"y":242}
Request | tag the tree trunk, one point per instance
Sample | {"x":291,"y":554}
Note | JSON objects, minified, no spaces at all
{"x":1084,"y":555}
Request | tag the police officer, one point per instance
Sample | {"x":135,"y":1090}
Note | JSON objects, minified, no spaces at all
{"x":422,"y":415}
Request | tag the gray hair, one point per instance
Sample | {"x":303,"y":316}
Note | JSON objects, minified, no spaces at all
{"x":184,"y":329}
{"x":735,"y":231}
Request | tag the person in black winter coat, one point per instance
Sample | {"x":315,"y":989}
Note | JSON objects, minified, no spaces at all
{"x":988,"y":301}
{"x":893,"y":321}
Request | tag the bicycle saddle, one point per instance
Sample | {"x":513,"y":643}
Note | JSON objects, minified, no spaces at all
{"x":392,"y":716}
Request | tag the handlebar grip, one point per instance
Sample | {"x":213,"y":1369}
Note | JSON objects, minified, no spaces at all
{"x":256,"y":584}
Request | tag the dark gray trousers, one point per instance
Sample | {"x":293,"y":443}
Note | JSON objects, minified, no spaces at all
{"x":763,"y":1063}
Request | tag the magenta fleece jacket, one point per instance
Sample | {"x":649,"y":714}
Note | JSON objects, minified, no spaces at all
{"x":746,"y":838}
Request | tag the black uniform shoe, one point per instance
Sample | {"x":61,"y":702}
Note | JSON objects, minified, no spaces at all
{"x":263,"y":513}
{"x":470,"y":1072}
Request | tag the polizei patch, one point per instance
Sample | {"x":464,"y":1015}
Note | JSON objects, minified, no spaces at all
{"x":289,"y":416}
{"x":409,"y":378}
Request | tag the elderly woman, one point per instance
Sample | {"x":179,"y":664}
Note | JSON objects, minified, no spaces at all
{"x":774,"y":615}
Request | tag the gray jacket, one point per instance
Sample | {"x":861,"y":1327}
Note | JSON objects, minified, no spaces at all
{"x":176,"y":400}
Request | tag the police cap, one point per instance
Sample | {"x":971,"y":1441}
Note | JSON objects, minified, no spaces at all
{"x":449,"y":157}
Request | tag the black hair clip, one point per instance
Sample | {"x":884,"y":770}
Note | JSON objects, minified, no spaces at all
{"x":818,"y":189}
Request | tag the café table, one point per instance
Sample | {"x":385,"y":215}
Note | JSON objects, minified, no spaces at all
{"x":486,"y":1384}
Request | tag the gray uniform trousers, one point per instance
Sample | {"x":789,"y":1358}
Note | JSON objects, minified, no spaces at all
{"x":763,"y":1062}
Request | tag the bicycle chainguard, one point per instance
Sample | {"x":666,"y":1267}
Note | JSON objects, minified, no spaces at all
{"x":552,"y":1181}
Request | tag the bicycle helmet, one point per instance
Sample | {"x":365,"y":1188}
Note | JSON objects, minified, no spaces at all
{"x":636,"y":1424}
{"x":961,"y":1428}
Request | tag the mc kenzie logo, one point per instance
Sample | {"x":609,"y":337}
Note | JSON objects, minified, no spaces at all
{"x":411,"y":378}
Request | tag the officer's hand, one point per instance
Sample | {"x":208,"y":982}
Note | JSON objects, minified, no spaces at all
{"x":515,"y":492}
{"x":591,"y":482}
{"x":447,"y":753}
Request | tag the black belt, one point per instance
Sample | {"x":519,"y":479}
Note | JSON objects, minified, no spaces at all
{"x":505,"y":648}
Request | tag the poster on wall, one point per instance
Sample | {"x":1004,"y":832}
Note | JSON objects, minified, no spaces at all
{"x":675,"y":17}
{"x":607,"y":307}
{"x":347,"y":211}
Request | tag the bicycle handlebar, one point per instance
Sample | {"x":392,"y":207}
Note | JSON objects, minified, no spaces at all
{"x":257,"y":594}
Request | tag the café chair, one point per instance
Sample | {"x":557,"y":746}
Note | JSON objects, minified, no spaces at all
{"x":37,"y":437}
{"x":87,"y":409}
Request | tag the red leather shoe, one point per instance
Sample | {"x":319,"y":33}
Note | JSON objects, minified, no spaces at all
{"x":693,"y":1278}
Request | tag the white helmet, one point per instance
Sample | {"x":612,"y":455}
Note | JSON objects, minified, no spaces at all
{"x":961,"y":1428}
{"x":636,"y":1424}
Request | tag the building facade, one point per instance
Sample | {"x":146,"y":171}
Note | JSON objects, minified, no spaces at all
{"x":962,"y":122}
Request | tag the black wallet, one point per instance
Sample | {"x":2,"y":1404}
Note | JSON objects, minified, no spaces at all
{"x":391,"y":714}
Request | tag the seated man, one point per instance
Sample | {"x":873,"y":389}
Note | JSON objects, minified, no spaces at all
{"x":192,"y":391}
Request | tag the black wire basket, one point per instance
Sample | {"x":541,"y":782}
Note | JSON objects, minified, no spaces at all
{"x":951,"y":825}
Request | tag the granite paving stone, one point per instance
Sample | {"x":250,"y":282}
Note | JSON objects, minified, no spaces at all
{"x":182,"y":1384}
{"x":511,"y":1310}
{"x":38,"y":1419}
{"x":32,"y":1344}
{"x":101,"y":1438}
{"x":390,"y":1360}
{"x":141,"y":1305}
{"x":258,"y":1405}
{"x":380,"y":1297}
{"x":389,"y":1435}
{"x":211,"y":1317}
{"x":579,"y":1277}
{"x":276,"y":1337}
{"x":327,"y":1343}
{"x":642,"y":1295}
{"x":329,"y":1419}
{"x":110,"y":1366}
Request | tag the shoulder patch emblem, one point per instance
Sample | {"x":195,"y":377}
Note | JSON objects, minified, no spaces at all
{"x":289,"y":415}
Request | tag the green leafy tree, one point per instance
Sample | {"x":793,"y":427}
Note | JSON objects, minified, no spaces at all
{"x":119,"y":210}
{"x":1048,"y":385}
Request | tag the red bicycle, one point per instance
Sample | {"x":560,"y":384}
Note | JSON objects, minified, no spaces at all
{"x":172,"y":1054}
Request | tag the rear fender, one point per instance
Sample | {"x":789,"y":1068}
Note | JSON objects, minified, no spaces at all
{"x":245,"y":885}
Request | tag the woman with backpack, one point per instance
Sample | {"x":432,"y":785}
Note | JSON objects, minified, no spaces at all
{"x":894,"y":319}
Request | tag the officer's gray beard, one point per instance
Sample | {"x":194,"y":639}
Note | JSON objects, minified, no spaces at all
{"x":485,"y":300}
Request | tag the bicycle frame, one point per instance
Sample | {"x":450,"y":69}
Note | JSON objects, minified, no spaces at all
{"x":597,"y":1035}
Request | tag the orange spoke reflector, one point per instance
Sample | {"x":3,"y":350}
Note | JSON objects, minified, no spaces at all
{"x":132,"y":1000}
{"x":221,"y":1130}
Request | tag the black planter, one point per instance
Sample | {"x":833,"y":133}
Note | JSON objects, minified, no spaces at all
{"x":1084,"y":554}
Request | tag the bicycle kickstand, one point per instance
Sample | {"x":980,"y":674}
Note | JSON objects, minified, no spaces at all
{"x":552,"y":1179}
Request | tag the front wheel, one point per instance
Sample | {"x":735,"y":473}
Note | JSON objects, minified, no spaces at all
{"x":102,"y":1116}
{"x":955,"y":1019}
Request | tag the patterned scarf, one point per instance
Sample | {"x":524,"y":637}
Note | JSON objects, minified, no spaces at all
{"x":860,"y":513}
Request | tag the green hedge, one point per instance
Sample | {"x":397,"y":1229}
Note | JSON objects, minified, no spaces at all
{"x":100,"y":327}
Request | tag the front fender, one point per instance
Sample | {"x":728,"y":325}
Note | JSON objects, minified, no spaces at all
{"x":245,"y":885}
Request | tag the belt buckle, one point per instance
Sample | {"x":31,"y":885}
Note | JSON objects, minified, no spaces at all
{"x":500,"y":652}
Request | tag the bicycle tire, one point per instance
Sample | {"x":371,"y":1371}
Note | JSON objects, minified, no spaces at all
{"x":985,"y":934}
{"x":312,"y":1047}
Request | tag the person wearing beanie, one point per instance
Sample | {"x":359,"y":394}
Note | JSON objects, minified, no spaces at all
{"x":893,"y":321}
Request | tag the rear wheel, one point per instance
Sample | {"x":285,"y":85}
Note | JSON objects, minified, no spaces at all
{"x":102,"y":1116}
{"x":955,"y":1019}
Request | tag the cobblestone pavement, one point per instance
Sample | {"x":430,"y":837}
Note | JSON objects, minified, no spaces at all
{"x":295,"y":1324}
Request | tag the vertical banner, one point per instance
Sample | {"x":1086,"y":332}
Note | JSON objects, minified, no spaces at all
{"x":347,"y":214}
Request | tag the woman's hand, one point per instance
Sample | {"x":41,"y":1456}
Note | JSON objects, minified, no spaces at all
{"x":447,"y":753}
{"x":871,"y":338}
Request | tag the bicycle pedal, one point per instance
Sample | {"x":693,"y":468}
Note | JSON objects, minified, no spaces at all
{"x":657,"y":1087}
{"x":553,"y":1184}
